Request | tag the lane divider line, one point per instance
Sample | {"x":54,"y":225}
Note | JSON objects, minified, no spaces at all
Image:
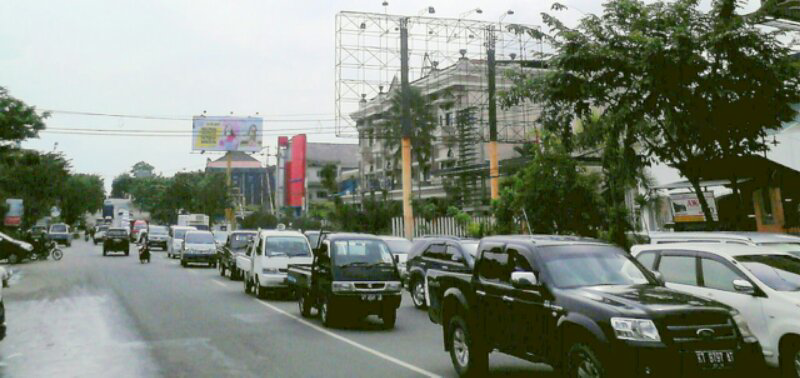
{"x":219,"y":283}
{"x":351,"y":342}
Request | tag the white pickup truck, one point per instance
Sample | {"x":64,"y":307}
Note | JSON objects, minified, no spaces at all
{"x":265,"y":261}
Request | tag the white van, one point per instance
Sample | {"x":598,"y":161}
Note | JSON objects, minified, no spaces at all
{"x":176,"y":236}
{"x":266,"y":260}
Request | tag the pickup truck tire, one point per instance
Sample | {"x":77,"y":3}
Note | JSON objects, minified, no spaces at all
{"x":418,"y":292}
{"x":326,"y":314}
{"x":184,"y":264}
{"x":790,"y":359}
{"x":234,"y":274}
{"x":105,"y":253}
{"x":261,"y":292}
{"x":583,"y":362}
{"x":222,"y":270}
{"x":389,"y":318}
{"x":304,"y":305}
{"x":247,"y":287}
{"x":470,"y":358}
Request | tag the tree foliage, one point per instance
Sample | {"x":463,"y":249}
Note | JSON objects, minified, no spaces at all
{"x":18,"y":121}
{"x":36,"y":178}
{"x":423,"y":126}
{"x":121,"y":187}
{"x":81,"y":193}
{"x":685,"y":86}
{"x":142,"y":167}
{"x":328,"y":178}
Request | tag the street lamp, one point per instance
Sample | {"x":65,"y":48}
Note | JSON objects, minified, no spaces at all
{"x":467,"y":13}
{"x":428,"y":10}
{"x":504,"y":15}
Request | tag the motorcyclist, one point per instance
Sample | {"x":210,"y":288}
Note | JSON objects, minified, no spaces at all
{"x":144,"y":250}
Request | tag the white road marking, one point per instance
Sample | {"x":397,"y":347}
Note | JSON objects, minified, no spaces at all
{"x":351,"y":342}
{"x":219,"y":283}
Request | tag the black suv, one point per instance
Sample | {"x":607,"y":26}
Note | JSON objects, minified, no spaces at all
{"x":116,"y":240}
{"x":436,"y":252}
{"x":586,"y":308}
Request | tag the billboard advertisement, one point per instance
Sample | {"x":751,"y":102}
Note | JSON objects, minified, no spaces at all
{"x":227,"y":134}
{"x":296,"y":171}
{"x":13,"y":216}
{"x":686,"y":207}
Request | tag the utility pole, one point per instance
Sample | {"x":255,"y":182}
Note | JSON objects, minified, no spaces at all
{"x":405,"y":90}
{"x":229,"y":211}
{"x":494,"y":171}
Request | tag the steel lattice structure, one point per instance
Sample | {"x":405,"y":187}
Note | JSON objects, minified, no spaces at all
{"x":368,"y":57}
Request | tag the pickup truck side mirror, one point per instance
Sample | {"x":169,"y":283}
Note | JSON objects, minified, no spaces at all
{"x":524,"y":280}
{"x":659,"y":277}
{"x":744,"y":286}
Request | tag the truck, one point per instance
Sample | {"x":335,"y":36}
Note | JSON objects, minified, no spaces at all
{"x":236,"y":244}
{"x":585,"y":308}
{"x":351,"y":275}
{"x":198,"y":221}
{"x":264,"y":264}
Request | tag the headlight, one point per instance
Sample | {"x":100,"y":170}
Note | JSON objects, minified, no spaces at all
{"x":270,"y":271}
{"x":337,"y":287}
{"x":744,"y":329}
{"x":635,"y":329}
{"x":393,"y":286}
{"x":27,"y":247}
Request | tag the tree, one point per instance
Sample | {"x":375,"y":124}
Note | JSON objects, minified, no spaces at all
{"x":328,"y":178}
{"x":559,"y":196}
{"x":211,"y":195}
{"x":81,"y":193}
{"x":259,"y":219}
{"x":122,"y":186}
{"x":37,"y":178}
{"x":18,"y":121}
{"x":423,"y":125}
{"x":142,"y":167}
{"x":686,"y":86}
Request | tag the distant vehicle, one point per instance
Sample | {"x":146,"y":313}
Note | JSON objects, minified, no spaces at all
{"x":13,"y":250}
{"x":235,"y":245}
{"x":37,"y":231}
{"x":60,"y":234}
{"x":585,"y":308}
{"x":198,"y":247}
{"x":400,"y":248}
{"x":158,"y":236}
{"x":350,"y":275}
{"x":442,"y":253}
{"x":267,"y":258}
{"x":313,"y":237}
{"x":762,"y":283}
{"x":199,"y":221}
{"x":177,"y":233}
{"x":99,"y":233}
{"x":116,"y":240}
{"x":138,"y":226}
{"x":220,"y":237}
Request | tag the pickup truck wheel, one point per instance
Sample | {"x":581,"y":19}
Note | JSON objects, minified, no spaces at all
{"x":222,"y":270}
{"x":305,"y":306}
{"x":234,"y":275}
{"x":583,"y":362}
{"x":105,"y":253}
{"x":247,"y":287}
{"x":790,"y":359}
{"x":184,"y":264}
{"x":325,"y":313}
{"x":418,"y":293}
{"x":469,"y":357}
{"x":261,"y":292}
{"x":389,"y":318}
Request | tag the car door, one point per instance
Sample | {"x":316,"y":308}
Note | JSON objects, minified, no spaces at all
{"x":716,"y":280}
{"x":490,"y":291}
{"x":680,"y":270}
{"x":528,"y":314}
{"x":434,"y":257}
{"x":453,"y":259}
{"x":256,"y":260}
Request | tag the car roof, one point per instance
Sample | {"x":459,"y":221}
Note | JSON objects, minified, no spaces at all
{"x":198,"y":232}
{"x":542,"y":239}
{"x":348,"y":235}
{"x":713,"y":248}
{"x":765,"y":237}
{"x":118,"y":228}
{"x":689,"y":235}
{"x":265,"y":233}
{"x":184,"y":227}
{"x":393,"y":238}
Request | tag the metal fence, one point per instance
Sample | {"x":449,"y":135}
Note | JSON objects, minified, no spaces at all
{"x":437,"y":226}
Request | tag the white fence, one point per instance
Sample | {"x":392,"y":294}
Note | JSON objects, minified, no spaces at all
{"x":437,"y":226}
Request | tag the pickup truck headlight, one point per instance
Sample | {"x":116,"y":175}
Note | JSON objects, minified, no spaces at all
{"x":338,"y":287}
{"x":635,"y":329}
{"x":744,"y":329}
{"x":393,"y":286}
{"x":270,"y":270}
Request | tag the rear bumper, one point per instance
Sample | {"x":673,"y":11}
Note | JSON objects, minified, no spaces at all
{"x":273,"y":281}
{"x":197,"y":258}
{"x":157,"y":243}
{"x":118,"y":246}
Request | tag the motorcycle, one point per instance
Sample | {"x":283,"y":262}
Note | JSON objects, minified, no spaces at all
{"x":144,"y":254}
{"x":42,"y":249}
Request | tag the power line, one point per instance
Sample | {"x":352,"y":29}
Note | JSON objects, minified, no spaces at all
{"x":186,"y":118}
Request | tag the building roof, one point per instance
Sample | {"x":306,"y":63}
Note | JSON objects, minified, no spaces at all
{"x":238,"y":160}
{"x":346,"y":155}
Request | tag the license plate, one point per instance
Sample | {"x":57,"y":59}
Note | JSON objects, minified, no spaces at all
{"x":371,"y":297}
{"x":117,"y":240}
{"x":714,"y":359}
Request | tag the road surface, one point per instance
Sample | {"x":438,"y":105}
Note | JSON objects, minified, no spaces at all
{"x":89,"y":315}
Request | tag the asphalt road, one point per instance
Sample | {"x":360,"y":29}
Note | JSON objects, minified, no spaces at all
{"x":89,"y":315}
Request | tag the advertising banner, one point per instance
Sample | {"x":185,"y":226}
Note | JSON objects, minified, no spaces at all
{"x":13,"y":216}
{"x":227,"y":134}
{"x":686,"y":207}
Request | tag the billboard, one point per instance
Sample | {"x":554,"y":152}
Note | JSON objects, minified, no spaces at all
{"x":686,"y":207}
{"x":296,"y":172}
{"x":13,"y":216}
{"x":227,"y":133}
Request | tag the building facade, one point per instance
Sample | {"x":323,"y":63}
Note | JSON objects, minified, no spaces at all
{"x":248,"y":178}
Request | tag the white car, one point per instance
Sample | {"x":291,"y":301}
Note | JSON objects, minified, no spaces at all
{"x":198,"y":247}
{"x":269,"y":256}
{"x":177,"y":233}
{"x":743,"y":238}
{"x":762,"y":283}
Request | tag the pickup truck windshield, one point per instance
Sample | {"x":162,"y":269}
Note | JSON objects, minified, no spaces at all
{"x":58,"y":228}
{"x":180,"y":234}
{"x":313,"y":238}
{"x":578,"y":266}
{"x":116,"y":233}
{"x":239,"y":241}
{"x":199,"y":238}
{"x":780,"y":272}
{"x":360,"y":252}
{"x":154,"y":230}
{"x":292,"y":246}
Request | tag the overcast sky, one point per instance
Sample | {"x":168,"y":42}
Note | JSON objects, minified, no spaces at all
{"x":180,"y":58}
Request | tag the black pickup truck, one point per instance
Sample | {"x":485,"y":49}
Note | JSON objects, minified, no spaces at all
{"x":351,"y":274}
{"x":587,"y":309}
{"x":235,"y":244}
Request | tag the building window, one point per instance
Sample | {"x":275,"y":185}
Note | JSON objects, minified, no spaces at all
{"x":448,"y":119}
{"x":322,"y":194}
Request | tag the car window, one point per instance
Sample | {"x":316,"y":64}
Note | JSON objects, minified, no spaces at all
{"x":679,"y":269}
{"x":717,"y":275}
{"x":492,"y":264}
{"x":453,"y":254}
{"x":436,"y":251}
{"x":58,"y":228}
{"x":291,"y":246}
{"x":199,"y":238}
{"x":780,"y":272}
{"x":517,"y":262}
{"x":361,"y":252}
{"x":579,"y":266}
{"x":113,"y":233}
{"x":647,"y":259}
{"x":180,"y":233}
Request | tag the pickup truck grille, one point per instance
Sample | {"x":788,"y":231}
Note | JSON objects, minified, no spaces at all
{"x":702,"y":330}
{"x":371,"y":285}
